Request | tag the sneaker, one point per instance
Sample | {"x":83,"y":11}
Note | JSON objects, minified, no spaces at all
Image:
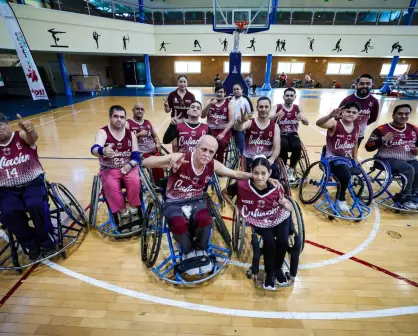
{"x":280,"y":278}
{"x":125,"y":220}
{"x":411,"y":205}
{"x":269,"y":283}
{"x":48,"y":251}
{"x":207,"y":268}
{"x":34,"y":254}
{"x":343,"y":206}
{"x":291,"y":175}
{"x":134,"y":217}
{"x":193,"y":271}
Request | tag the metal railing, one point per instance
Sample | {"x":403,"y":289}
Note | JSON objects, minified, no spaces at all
{"x":118,"y":9}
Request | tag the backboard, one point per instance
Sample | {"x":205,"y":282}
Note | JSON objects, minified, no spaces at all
{"x":227,"y":12}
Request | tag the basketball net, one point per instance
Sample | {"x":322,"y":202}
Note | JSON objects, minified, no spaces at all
{"x":241,"y":29}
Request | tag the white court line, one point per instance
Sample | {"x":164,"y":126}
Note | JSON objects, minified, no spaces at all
{"x":340,"y":258}
{"x":235,"y":312}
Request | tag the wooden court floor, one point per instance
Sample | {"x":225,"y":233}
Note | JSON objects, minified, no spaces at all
{"x":354,"y":279}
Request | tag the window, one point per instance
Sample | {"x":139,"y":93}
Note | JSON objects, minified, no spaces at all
{"x":291,"y":67}
{"x":245,"y":67}
{"x":186,"y":67}
{"x":340,"y":68}
{"x":399,"y":70}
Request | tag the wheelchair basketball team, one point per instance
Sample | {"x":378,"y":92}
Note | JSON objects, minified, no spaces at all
{"x":125,"y":148}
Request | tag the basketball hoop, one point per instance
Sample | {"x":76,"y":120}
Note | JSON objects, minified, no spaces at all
{"x":241,"y":25}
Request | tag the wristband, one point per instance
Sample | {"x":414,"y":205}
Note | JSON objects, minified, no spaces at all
{"x":99,"y":149}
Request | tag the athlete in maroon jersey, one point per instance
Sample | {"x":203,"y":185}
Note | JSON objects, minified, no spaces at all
{"x":220,"y":119}
{"x":117,"y":150}
{"x":179,"y":100}
{"x":264,"y":207}
{"x":342,"y":138}
{"x":288,"y":116}
{"x":397,"y":143}
{"x":148,"y":141}
{"x":189,"y":175}
{"x":187,"y":134}
{"x":22,"y":189}
{"x":369,"y":105}
{"x":262,"y":136}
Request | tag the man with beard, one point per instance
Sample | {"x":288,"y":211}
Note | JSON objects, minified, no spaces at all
{"x":188,"y":133}
{"x":369,"y":105}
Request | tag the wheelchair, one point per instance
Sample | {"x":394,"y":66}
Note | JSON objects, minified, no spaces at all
{"x":109,"y":222}
{"x":232,"y":156}
{"x":296,"y":246}
{"x":385,"y":184}
{"x":66,"y":231}
{"x":173,"y":269}
{"x":301,"y":167}
{"x":318,"y":181}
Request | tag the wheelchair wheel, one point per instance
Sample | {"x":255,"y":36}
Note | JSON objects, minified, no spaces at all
{"x":238,"y":234}
{"x":298,"y":228}
{"x":303,"y":163}
{"x":216,"y":186}
{"x":218,"y":222}
{"x":379,"y":174}
{"x":361,"y":187}
{"x":151,"y":234}
{"x":94,"y":201}
{"x":69,"y":204}
{"x":239,"y":165}
{"x":283,"y":177}
{"x":313,"y":182}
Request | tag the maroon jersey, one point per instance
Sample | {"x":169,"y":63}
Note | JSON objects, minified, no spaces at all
{"x":400,"y":147}
{"x":261,"y":210}
{"x":289,"y":123}
{"x":189,"y":136}
{"x":122,"y":148}
{"x":218,"y":116}
{"x":369,"y":110}
{"x":19,"y":162}
{"x":146,"y":144}
{"x":180,"y":105}
{"x":186,"y":182}
{"x":342,"y":142}
{"x":259,"y":140}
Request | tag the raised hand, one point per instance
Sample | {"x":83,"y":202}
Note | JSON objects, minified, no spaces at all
{"x":26,"y":126}
{"x":108,"y":151}
{"x":280,"y":114}
{"x":165,"y":103}
{"x":336,"y":113}
{"x":299,"y":117}
{"x":388,"y":137}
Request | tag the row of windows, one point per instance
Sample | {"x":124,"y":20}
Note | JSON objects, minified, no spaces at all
{"x":289,"y":68}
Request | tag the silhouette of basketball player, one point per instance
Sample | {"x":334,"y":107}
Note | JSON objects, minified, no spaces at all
{"x":283,"y":45}
{"x":367,"y":46}
{"x":252,"y":44}
{"x":197,"y":44}
{"x":278,"y":45}
{"x":225,"y":44}
{"x":311,"y":44}
{"x":337,"y":46}
{"x":96,"y":38}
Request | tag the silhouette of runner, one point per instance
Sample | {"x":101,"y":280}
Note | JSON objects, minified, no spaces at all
{"x":252,"y":44}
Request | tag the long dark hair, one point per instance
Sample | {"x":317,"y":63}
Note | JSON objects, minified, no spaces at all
{"x":261,"y":161}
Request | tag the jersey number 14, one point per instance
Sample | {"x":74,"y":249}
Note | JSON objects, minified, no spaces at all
{"x":12,"y":173}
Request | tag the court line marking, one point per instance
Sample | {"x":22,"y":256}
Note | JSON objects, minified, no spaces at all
{"x":231,"y":311}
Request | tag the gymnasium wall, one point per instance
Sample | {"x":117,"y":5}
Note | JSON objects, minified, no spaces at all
{"x":77,"y":37}
{"x":162,"y":69}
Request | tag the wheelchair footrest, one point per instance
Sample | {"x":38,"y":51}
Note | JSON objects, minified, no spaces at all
{"x":194,"y":262}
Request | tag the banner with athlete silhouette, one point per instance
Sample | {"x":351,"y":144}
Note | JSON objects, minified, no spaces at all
{"x":33,"y":78}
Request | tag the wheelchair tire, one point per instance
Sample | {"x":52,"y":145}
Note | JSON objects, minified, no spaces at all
{"x":367,"y":199}
{"x":298,"y":223}
{"x":238,"y":234}
{"x":304,"y":160}
{"x":283,"y":177}
{"x":307,"y":180}
{"x":150,"y":249}
{"x":219,"y":224}
{"x":69,"y":204}
{"x":94,"y":201}
{"x":371,"y":165}
{"x":216,"y":185}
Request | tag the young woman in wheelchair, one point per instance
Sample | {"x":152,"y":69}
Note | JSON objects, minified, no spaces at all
{"x":342,"y":135}
{"x":23,"y":190}
{"x":265,"y":208}
{"x":189,"y":175}
{"x":397,"y":143}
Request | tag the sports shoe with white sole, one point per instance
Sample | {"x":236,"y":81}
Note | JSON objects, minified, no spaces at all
{"x":192,"y":271}
{"x":207,"y":268}
{"x":343,"y":206}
